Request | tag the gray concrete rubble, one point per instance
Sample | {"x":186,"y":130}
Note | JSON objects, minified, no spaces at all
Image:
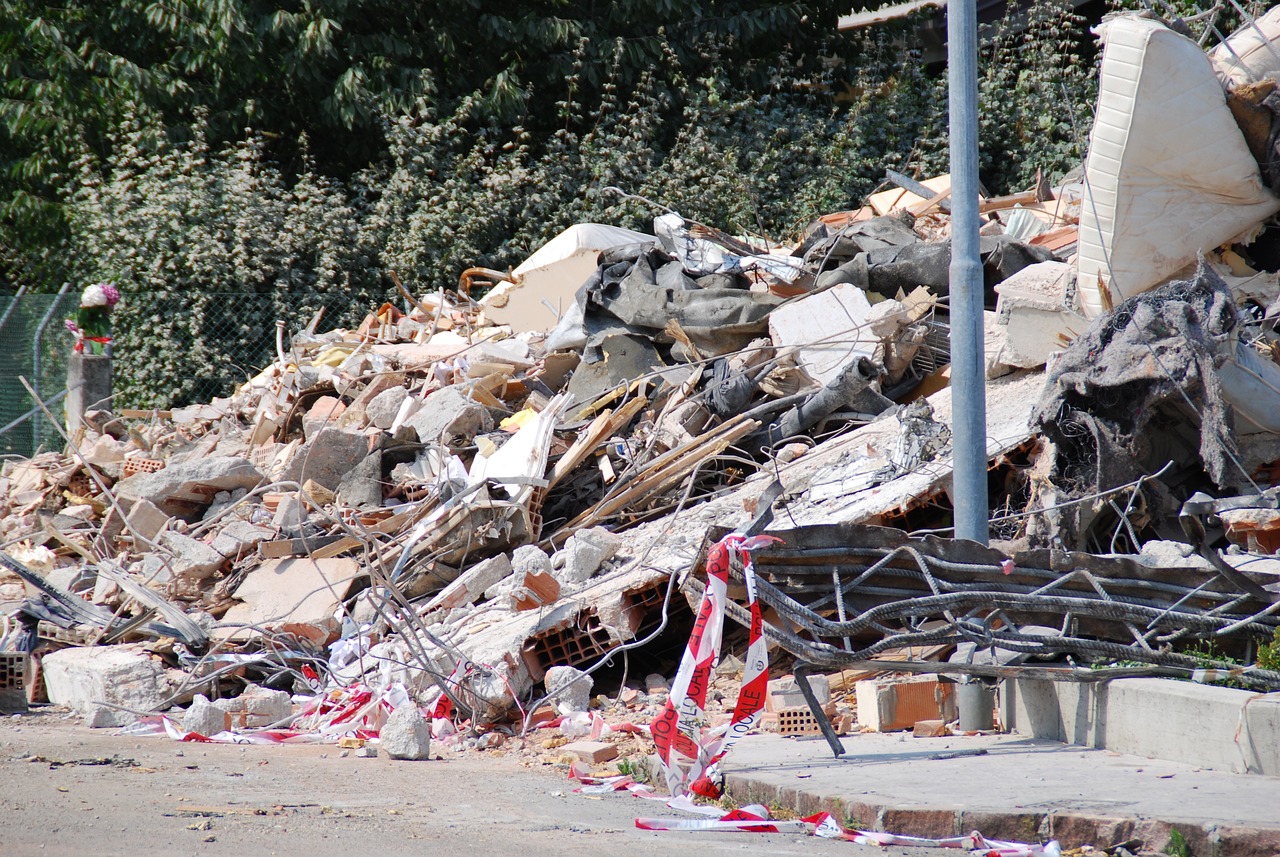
{"x":406,"y":735}
{"x":453,"y":527}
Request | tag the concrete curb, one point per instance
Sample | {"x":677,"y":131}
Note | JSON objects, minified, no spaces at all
{"x":1070,"y":829}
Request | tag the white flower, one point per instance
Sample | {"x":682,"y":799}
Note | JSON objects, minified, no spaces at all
{"x":93,"y":296}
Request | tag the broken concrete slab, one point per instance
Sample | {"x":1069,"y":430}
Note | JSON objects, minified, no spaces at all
{"x":184,"y":489}
{"x":106,"y":684}
{"x":193,"y":560}
{"x":292,"y":591}
{"x":472,"y":584}
{"x":238,"y":539}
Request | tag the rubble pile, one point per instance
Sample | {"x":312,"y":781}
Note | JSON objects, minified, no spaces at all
{"x":450,"y":517}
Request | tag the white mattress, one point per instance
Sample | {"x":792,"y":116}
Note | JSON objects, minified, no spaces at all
{"x":1168,"y":174}
{"x":1251,"y":53}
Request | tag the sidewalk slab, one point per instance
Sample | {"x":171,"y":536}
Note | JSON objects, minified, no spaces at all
{"x":1212,"y":727}
{"x":1018,"y":788}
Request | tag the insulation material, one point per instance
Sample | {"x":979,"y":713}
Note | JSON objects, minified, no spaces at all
{"x":1252,"y":52}
{"x":1168,"y":173}
{"x":543,"y":286}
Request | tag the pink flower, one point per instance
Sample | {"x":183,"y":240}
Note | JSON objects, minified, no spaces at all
{"x":71,"y":326}
{"x":111,"y":293}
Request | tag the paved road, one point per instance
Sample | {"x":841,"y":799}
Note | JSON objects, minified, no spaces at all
{"x":212,"y":800}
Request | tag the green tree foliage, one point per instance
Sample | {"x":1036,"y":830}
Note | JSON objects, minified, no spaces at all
{"x":181,"y":212}
{"x":332,"y":70}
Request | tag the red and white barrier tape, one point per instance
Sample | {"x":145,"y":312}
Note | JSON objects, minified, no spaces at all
{"x":687,"y":749}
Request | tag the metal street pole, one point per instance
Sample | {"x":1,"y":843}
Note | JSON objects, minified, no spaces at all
{"x":968,"y":384}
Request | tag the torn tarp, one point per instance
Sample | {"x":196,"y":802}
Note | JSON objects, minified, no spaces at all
{"x":1150,"y":361}
{"x":642,"y":289}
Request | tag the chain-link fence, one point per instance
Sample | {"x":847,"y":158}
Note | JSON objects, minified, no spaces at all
{"x":169,"y":351}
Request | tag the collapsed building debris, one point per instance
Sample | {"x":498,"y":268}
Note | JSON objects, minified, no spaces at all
{"x":468,"y":514}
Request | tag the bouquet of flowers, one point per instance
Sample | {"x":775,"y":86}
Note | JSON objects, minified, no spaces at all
{"x":92,"y":324}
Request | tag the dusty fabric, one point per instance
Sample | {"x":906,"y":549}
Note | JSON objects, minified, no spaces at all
{"x":1132,"y":366}
{"x":639,"y":289}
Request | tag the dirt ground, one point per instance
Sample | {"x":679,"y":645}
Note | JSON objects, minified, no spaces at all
{"x":69,"y":790}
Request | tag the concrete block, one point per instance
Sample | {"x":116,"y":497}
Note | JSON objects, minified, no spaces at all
{"x":126,"y":675}
{"x":785,"y":693}
{"x":406,"y":735}
{"x":88,"y":386}
{"x":147,"y":520}
{"x":362,"y":487}
{"x":1034,"y":308}
{"x":592,"y":752}
{"x":570,"y":688}
{"x":931,"y":729}
{"x":239,"y":538}
{"x":1213,"y":727}
{"x":828,"y":328}
{"x":891,"y":705}
{"x":192,"y":560}
{"x":256,"y":707}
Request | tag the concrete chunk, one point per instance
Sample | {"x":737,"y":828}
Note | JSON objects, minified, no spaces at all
{"x":327,"y":457}
{"x":469,"y":586}
{"x":185,"y":488}
{"x":147,"y":520}
{"x":205,"y":718}
{"x":570,"y":688}
{"x":406,"y":735}
{"x":239,"y":538}
{"x":193,"y":560}
{"x":828,"y":328}
{"x":448,"y":413}
{"x":584,"y":554}
{"x":383,"y":408}
{"x":256,"y":707}
{"x":127,"y":676}
{"x":592,"y":752}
